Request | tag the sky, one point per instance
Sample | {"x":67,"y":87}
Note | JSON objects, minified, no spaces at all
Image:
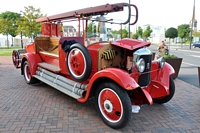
{"x":167,"y":13}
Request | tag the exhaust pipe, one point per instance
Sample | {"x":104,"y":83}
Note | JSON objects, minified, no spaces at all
{"x":68,"y":84}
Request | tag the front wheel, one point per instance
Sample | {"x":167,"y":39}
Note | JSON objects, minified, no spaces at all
{"x":27,"y":74}
{"x":171,"y":93}
{"x":113,"y":105}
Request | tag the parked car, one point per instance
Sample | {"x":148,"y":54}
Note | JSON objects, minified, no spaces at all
{"x":119,"y":75}
{"x":196,"y":44}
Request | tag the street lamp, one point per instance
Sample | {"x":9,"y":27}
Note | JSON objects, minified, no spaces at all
{"x":192,"y":25}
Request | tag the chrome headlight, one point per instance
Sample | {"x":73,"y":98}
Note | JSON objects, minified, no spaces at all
{"x":140,"y":65}
{"x":161,"y":62}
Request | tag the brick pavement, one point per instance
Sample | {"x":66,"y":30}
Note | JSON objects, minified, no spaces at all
{"x":41,"y":109}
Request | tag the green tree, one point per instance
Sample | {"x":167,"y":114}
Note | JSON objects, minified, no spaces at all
{"x":116,"y":34}
{"x":124,"y":33}
{"x":171,"y":33}
{"x":183,"y":31}
{"x":8,"y":25}
{"x":147,"y":32}
{"x":91,"y":29}
{"x":140,"y":31}
{"x":135,"y":36}
{"x":27,"y":24}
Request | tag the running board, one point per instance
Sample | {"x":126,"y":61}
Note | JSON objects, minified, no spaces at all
{"x":50,"y":67}
{"x":62,"y":89}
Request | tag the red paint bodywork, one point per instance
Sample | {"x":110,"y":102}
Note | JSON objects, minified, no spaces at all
{"x":159,"y":76}
{"x":33,"y":60}
{"x":119,"y":76}
{"x":159,"y":84}
{"x":129,"y":44}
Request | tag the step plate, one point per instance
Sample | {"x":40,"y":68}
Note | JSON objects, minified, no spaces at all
{"x":49,"y":67}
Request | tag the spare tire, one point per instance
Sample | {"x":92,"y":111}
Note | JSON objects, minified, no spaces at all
{"x":79,"y":62}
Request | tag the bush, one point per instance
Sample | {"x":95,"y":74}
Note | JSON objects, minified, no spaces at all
{"x":169,"y":56}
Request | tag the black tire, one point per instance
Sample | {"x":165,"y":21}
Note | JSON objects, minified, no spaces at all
{"x":79,"y":62}
{"x":171,"y":94}
{"x":113,"y":105}
{"x":27,"y":74}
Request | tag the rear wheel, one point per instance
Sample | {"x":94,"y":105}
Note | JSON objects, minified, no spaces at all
{"x":171,"y":93}
{"x":113,"y":105}
{"x":27,"y":74}
{"x":15,"y":58}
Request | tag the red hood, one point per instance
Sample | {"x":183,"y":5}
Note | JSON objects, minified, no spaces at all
{"x":130,"y":44}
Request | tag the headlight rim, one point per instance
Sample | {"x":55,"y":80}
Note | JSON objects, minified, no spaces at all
{"x":139,"y":63}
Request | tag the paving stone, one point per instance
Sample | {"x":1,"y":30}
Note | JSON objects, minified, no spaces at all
{"x":40,"y":108}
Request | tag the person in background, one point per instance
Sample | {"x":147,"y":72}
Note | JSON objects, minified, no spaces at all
{"x":163,"y":49}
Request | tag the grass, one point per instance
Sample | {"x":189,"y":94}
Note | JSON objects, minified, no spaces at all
{"x":4,"y":51}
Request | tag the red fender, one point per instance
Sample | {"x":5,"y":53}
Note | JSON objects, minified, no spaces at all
{"x":161,"y":74}
{"x":119,"y":76}
{"x":160,"y":80}
{"x":33,"y":59}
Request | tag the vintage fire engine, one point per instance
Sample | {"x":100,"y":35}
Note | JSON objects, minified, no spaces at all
{"x":119,"y":74}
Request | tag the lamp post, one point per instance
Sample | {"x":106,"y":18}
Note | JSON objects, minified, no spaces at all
{"x":192,"y":25}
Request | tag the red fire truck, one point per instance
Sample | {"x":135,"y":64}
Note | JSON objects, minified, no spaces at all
{"x":119,"y":74}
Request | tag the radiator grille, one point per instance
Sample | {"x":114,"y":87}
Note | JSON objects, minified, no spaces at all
{"x":144,"y":79}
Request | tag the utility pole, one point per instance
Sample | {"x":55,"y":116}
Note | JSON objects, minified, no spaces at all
{"x":192,"y":25}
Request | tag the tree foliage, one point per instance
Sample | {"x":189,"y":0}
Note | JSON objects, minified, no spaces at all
{"x":92,"y":29}
{"x":147,"y":32}
{"x":124,"y":33}
{"x":171,"y":33}
{"x":135,"y":36}
{"x":183,"y":31}
{"x":140,"y":31}
{"x":8,"y":25}
{"x":118,"y":32}
{"x":196,"y":33}
{"x":27,"y":24}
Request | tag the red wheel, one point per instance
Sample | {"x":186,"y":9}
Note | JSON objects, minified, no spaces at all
{"x":27,"y":74}
{"x":79,"y":62}
{"x":15,"y":58}
{"x":110,"y":105}
{"x":113,"y":104}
